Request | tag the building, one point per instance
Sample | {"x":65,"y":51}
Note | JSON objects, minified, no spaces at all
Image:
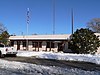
{"x":54,"y":43}
{"x":98,"y":34}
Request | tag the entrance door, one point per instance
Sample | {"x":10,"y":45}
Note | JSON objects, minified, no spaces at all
{"x":60,"y":47}
{"x":18,"y":45}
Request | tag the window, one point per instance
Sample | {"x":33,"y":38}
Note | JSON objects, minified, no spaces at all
{"x":12,"y":43}
{"x":50,"y":44}
{"x":24,"y":43}
{"x":37,"y":44}
{"x":40,"y":44}
{"x":33,"y":44}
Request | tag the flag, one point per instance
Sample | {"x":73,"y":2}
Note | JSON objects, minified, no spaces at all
{"x":28,"y":16}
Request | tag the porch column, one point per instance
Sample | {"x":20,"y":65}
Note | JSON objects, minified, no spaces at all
{"x":55,"y":47}
{"x":30,"y":45}
{"x":44,"y":45}
{"x":65,"y":46}
{"x":38,"y":45}
{"x":21,"y":45}
{"x":50,"y":45}
{"x":15,"y":45}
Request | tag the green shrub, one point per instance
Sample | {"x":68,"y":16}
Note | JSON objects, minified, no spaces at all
{"x":84,"y":41}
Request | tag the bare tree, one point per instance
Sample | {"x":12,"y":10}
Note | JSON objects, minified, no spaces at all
{"x":94,"y":25}
{"x":2,"y":28}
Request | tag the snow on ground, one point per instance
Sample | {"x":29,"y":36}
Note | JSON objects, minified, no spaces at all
{"x":18,"y":68}
{"x":62,"y":56}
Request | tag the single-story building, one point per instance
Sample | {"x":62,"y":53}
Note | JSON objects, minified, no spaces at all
{"x":54,"y":43}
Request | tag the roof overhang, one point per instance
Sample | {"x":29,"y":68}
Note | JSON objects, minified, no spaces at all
{"x":40,"y":37}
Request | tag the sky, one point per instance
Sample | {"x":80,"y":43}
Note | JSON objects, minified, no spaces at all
{"x":13,"y":15}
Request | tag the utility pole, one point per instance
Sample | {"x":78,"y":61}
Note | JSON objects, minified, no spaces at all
{"x":72,"y":20}
{"x":28,"y":17}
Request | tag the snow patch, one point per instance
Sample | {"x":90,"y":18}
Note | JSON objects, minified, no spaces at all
{"x":62,"y":56}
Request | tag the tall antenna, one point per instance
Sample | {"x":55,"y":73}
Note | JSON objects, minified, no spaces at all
{"x":53,"y":16}
{"x":72,"y":20}
{"x":28,"y":17}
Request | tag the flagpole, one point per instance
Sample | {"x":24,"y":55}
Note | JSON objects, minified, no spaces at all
{"x":27,"y":28}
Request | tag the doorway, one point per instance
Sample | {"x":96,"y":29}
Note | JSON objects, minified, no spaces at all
{"x":60,"y":47}
{"x":18,"y":45}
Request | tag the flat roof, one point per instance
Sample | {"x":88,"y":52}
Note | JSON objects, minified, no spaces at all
{"x":44,"y":37}
{"x":41,"y":37}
